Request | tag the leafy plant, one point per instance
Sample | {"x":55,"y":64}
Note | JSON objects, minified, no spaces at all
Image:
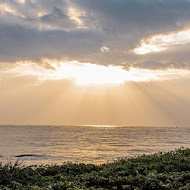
{"x":160,"y":171}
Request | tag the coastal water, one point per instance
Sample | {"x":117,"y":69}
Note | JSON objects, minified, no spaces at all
{"x":88,"y":144}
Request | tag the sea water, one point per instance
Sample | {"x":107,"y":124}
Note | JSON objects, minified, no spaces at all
{"x":88,"y":144}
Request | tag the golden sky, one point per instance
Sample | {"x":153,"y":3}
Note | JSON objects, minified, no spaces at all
{"x":80,"y":62}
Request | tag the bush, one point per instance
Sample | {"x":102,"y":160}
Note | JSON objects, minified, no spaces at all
{"x":161,"y":171}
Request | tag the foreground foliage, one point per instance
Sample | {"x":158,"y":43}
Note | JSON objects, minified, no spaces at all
{"x":162,"y":171}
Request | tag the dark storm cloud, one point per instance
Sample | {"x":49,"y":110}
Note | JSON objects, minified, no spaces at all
{"x":43,"y":28}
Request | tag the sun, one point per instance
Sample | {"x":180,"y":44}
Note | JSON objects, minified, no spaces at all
{"x":91,"y":74}
{"x":100,"y":75}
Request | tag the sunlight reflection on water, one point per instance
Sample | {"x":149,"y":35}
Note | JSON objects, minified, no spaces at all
{"x":101,"y":126}
{"x":90,"y":144}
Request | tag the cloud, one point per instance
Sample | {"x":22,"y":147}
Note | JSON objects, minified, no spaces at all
{"x":105,"y":49}
{"x":87,"y":73}
{"x":40,"y":39}
{"x":76,"y":16}
{"x":161,"y":42}
{"x":8,"y":9}
{"x":83,"y":30}
{"x":137,"y":16}
{"x":19,"y":43}
{"x":21,"y":1}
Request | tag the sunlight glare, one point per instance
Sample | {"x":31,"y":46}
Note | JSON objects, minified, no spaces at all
{"x":93,"y":74}
{"x":86,"y":73}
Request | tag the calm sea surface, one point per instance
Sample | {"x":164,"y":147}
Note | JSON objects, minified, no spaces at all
{"x":89,"y":144}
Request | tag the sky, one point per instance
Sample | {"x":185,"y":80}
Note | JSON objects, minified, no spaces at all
{"x":85,"y":62}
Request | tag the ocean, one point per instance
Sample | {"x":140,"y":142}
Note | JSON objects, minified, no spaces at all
{"x":88,"y":144}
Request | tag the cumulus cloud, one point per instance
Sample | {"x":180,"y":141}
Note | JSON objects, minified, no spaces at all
{"x":161,"y":42}
{"x":87,"y":30}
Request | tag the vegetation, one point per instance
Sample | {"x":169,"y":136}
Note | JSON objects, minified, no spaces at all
{"x":162,"y":171}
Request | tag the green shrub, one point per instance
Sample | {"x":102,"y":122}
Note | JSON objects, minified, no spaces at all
{"x":161,"y":171}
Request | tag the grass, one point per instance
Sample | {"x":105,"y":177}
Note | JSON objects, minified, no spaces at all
{"x":160,"y":171}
